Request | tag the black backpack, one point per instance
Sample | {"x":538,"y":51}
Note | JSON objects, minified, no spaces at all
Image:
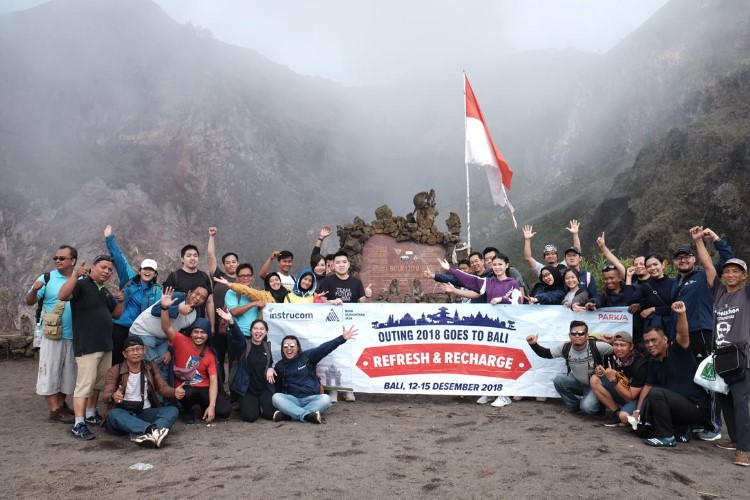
{"x":40,"y":303}
{"x":598,"y":358}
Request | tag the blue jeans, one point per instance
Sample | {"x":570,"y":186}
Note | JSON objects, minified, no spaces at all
{"x":155,"y":349}
{"x":571,"y":389}
{"x":121,"y":421}
{"x":612,"y":391}
{"x":297,"y":408}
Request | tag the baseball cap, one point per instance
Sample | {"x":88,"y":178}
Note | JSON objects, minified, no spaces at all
{"x":683,"y":249}
{"x":624,"y":336}
{"x":150,"y":263}
{"x":737,"y":262}
{"x":132,"y":340}
{"x":573,"y":249}
{"x":550,"y":248}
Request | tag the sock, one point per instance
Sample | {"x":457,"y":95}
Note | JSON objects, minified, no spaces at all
{"x":79,"y":420}
{"x":90,"y":412}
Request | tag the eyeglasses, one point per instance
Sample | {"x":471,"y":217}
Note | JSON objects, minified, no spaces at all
{"x":683,"y":257}
{"x":56,"y":258}
{"x":578,"y":334}
{"x":244,"y":276}
{"x":289,"y":346}
{"x":135,"y":349}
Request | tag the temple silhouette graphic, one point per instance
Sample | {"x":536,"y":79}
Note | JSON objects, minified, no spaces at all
{"x":443,"y":317}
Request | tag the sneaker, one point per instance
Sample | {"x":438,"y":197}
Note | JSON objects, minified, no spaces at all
{"x":145,"y":440}
{"x":666,"y":442}
{"x":159,"y":435}
{"x":314,"y":418}
{"x":349,"y":397}
{"x":541,"y":399}
{"x":517,"y":398}
{"x":81,"y":431}
{"x":483,"y":400}
{"x":709,"y":435}
{"x":334,"y":395}
{"x":501,"y":401}
{"x":60,"y":415}
{"x":726,"y":444}
{"x":612,"y":419}
{"x":741,"y":458}
{"x":95,"y":420}
{"x":280,"y":416}
{"x":686,"y":436}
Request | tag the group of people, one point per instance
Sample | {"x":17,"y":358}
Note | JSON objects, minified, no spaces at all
{"x":155,"y":348}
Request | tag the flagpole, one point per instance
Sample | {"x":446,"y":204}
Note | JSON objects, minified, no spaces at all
{"x":468,"y":199}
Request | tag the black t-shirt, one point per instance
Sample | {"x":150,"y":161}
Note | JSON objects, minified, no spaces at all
{"x":348,"y":290}
{"x":637,"y":372}
{"x":257,"y":360}
{"x":220,"y":289}
{"x":183,"y":282}
{"x":92,"y":308}
{"x":678,"y":374}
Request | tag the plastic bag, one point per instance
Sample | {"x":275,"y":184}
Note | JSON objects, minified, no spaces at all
{"x":706,"y":377}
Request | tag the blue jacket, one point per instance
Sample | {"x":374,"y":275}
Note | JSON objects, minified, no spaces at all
{"x":553,"y":297}
{"x":696,"y":294}
{"x":239,"y":346}
{"x":138,"y":296}
{"x":295,"y":377}
{"x":610,"y":299}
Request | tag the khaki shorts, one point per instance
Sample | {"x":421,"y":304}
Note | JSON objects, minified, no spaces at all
{"x":57,"y":367}
{"x":92,"y":369}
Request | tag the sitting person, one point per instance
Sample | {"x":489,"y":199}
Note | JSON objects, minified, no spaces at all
{"x":550,"y":290}
{"x":675,"y":402}
{"x":298,"y":387}
{"x":253,"y":372}
{"x":581,"y":355}
{"x":195,"y":365}
{"x":618,"y":385}
{"x":576,"y":297}
{"x":130,"y":389}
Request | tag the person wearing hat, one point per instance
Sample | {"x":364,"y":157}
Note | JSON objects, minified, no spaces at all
{"x":618,"y":385}
{"x":731,"y":315}
{"x":139,"y":287}
{"x":130,"y":389}
{"x":195,"y":365}
{"x":549,"y":257}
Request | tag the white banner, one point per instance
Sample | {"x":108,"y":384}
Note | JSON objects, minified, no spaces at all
{"x":472,"y":349}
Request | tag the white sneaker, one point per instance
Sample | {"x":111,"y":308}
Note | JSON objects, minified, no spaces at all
{"x":483,"y":400}
{"x":159,"y":435}
{"x":349,"y":396}
{"x":501,"y":401}
{"x":334,"y":396}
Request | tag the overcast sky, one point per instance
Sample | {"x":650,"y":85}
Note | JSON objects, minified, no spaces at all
{"x":372,"y":41}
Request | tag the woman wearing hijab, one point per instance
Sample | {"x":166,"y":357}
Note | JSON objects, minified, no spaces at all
{"x":550,"y":290}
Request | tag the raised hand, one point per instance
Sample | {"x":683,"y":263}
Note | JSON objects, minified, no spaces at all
{"x":223,"y":281}
{"x":448,"y":287}
{"x":82,"y":271}
{"x":696,"y":232}
{"x":108,"y":231}
{"x":368,"y":291}
{"x":428,"y":274}
{"x":573,"y":226}
{"x":600,"y":242}
{"x":679,"y":307}
{"x":166,"y":296}
{"x":532,"y":339}
{"x":212,"y":231}
{"x":444,"y":264}
{"x":528,"y":232}
{"x":349,"y":332}
{"x":225,"y":315}
{"x":325,"y":232}
{"x":275,"y":254}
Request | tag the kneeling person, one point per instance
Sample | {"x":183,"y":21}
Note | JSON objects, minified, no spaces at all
{"x":298,"y":394}
{"x":132,"y":406}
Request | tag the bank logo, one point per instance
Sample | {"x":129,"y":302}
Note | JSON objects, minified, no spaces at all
{"x":332,"y":316}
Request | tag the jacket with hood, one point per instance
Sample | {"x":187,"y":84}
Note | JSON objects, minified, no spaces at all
{"x":240,"y":374}
{"x":297,"y":295}
{"x":297,"y":376}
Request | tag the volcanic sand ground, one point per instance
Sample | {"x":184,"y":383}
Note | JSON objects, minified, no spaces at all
{"x":378,"y":447}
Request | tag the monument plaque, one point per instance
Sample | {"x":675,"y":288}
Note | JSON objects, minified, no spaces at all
{"x":385,"y":259}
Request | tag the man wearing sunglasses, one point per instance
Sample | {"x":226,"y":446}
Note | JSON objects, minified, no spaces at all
{"x":582,"y":356}
{"x":298,"y":387}
{"x":93,"y":307}
{"x":130,"y":390}
{"x":57,"y":366}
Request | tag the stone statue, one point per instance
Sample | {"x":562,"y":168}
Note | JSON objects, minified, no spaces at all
{"x":393,"y":287}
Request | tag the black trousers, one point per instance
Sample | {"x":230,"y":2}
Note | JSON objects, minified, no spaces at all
{"x":735,"y":410}
{"x":119,"y":334}
{"x":220,"y":343}
{"x":252,"y":406}
{"x":670,"y":411}
{"x":199,"y":396}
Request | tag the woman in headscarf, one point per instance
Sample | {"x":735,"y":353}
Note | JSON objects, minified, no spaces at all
{"x":550,"y":290}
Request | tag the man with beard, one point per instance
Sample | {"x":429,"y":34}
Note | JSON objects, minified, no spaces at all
{"x":298,"y":395}
{"x":189,"y":277}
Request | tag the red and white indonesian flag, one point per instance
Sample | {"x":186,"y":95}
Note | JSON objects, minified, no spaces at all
{"x":481,"y":151}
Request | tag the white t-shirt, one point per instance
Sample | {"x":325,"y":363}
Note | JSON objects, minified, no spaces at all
{"x":147,"y":324}
{"x":287,"y":281}
{"x":133,"y":390}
